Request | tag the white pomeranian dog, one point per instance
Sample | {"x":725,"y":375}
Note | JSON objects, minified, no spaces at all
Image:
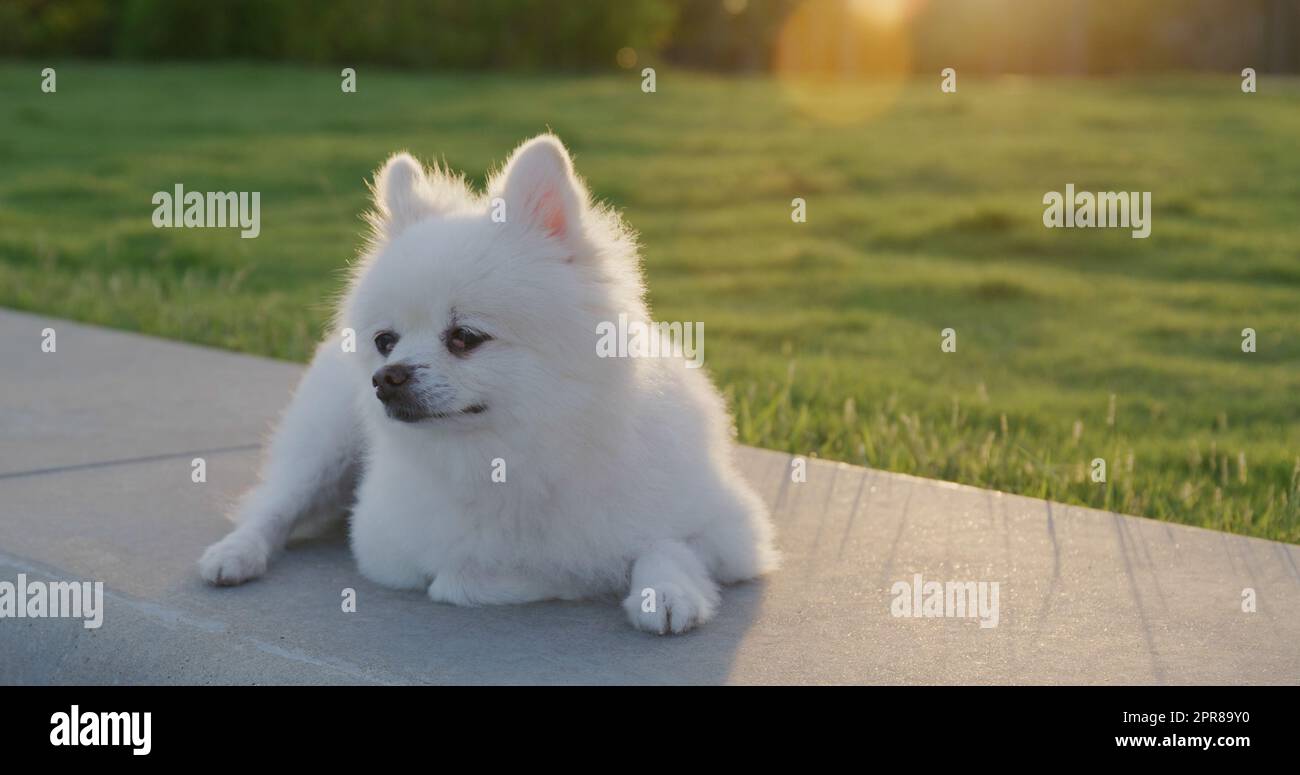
{"x":486,"y":452}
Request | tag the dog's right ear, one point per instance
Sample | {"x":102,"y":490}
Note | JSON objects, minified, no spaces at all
{"x":405,"y":193}
{"x":541,"y":191}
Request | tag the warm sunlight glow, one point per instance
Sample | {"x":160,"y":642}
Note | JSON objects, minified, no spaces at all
{"x":843,"y":62}
{"x":885,"y":13}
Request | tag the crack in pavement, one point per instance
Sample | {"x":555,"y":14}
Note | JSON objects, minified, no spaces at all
{"x":130,"y":461}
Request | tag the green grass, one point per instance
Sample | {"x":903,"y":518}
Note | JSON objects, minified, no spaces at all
{"x":825,"y":335}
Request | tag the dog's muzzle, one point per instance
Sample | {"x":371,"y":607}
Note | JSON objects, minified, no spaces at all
{"x":391,"y":382}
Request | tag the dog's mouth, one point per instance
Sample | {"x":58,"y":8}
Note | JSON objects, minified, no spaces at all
{"x":409,"y":415}
{"x":471,"y":409}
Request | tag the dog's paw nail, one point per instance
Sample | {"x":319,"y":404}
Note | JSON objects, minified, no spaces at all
{"x":233,"y":560}
{"x":667,"y":608}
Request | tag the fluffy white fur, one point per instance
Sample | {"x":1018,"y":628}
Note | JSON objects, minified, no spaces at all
{"x":619,"y":473}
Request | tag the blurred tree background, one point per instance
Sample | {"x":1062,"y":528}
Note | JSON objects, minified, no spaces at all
{"x":978,"y":36}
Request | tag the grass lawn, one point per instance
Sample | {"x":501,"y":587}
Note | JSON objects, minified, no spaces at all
{"x":1072,"y":344}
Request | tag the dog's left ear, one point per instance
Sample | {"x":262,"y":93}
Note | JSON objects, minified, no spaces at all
{"x":540,"y":191}
{"x":407,"y":193}
{"x":401,"y":193}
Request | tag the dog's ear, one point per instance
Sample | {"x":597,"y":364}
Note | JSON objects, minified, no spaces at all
{"x":540,"y":191}
{"x":406,"y":193}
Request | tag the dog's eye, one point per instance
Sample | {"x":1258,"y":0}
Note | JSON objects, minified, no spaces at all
{"x":385,"y":341}
{"x":461,"y":340}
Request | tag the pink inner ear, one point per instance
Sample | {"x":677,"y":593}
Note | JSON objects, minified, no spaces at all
{"x":550,"y":210}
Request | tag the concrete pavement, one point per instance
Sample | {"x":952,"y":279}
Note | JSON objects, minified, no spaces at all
{"x":96,"y":443}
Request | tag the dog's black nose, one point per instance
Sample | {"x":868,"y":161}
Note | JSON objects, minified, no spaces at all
{"x":389,"y":380}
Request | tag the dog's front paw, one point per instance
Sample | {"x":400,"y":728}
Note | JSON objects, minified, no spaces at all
{"x":234,"y":559}
{"x":669,"y":607}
